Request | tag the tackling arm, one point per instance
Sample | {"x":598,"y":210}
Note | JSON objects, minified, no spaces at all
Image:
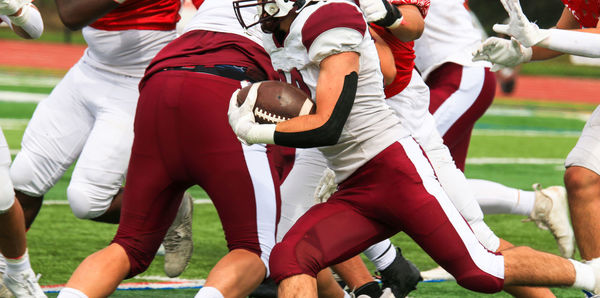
{"x":566,"y":38}
{"x":76,"y":14}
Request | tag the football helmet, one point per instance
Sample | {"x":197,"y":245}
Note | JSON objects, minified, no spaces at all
{"x":267,"y":10}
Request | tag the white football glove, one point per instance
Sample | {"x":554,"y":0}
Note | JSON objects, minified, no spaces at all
{"x":502,"y":53}
{"x":243,"y":123}
{"x":10,"y":7}
{"x":326,"y":187}
{"x":381,"y":13}
{"x":519,"y":27}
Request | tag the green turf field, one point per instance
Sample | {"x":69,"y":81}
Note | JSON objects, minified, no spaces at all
{"x":516,"y":143}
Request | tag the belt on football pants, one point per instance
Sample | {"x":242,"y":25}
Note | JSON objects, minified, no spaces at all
{"x":239,"y":73}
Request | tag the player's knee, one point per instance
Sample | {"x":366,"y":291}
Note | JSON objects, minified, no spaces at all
{"x":7,"y":195}
{"x":286,"y":261}
{"x":22,"y":175}
{"x":579,"y":179}
{"x":80,"y":202}
{"x":139,"y":258}
{"x":479,"y":281}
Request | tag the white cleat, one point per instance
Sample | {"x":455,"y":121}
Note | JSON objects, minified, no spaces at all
{"x":24,"y":284}
{"x":4,"y":291}
{"x":437,"y":273}
{"x":551,"y":211}
{"x":178,"y":240}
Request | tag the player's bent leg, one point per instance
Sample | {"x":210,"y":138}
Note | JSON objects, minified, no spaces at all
{"x":100,"y":273}
{"x":238,"y":282}
{"x":495,"y":198}
{"x":583,"y":189}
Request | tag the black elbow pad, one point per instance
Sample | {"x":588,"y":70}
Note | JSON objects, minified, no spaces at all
{"x":329,"y":133}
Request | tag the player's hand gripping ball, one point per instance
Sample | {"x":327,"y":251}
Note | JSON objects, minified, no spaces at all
{"x":277,"y":101}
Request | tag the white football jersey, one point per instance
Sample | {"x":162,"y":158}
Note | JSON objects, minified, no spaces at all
{"x":218,"y":15}
{"x":124,"y":52}
{"x":449,"y":36}
{"x":328,"y":28}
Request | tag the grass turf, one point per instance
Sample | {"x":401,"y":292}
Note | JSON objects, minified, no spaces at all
{"x":58,"y":241}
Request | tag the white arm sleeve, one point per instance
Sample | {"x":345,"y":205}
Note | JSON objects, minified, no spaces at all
{"x":29,"y":20}
{"x":572,"y":42}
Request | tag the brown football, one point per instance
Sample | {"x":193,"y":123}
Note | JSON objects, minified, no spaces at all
{"x":278,"y":101}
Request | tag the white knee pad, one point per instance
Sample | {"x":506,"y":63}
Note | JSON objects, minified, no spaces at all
{"x":23,"y":175}
{"x":7,"y":194}
{"x":84,"y":203}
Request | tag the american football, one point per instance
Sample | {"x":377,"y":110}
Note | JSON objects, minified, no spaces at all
{"x":278,"y":101}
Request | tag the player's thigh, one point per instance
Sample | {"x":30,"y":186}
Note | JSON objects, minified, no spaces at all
{"x":452,"y":95}
{"x":54,"y":136}
{"x":586,"y":152}
{"x":102,"y":165}
{"x":297,"y":190}
{"x":7,"y":196}
{"x":328,"y":233}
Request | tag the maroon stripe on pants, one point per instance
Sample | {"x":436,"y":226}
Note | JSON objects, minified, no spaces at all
{"x":445,"y":81}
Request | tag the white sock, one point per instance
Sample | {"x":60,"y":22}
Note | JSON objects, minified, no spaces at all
{"x":209,"y":292}
{"x":2,"y":264}
{"x":382,"y":254}
{"x":584,"y":276}
{"x":495,"y":198}
{"x":18,"y":264}
{"x":71,"y":293}
{"x":347,"y":295}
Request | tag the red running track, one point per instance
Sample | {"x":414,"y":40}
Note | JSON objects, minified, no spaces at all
{"x":55,"y":56}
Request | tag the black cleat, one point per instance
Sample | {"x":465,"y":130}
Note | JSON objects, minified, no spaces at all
{"x":402,"y":276}
{"x":267,"y":289}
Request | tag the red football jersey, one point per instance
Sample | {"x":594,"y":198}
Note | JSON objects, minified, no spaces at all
{"x":585,"y":11}
{"x":141,"y":15}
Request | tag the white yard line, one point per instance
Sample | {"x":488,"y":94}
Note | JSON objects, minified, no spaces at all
{"x":514,"y":160}
{"x":21,"y":96}
{"x":526,"y":133}
{"x":65,"y":202}
{"x":28,"y":81}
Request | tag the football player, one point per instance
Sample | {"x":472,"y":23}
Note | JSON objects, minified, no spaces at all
{"x":88,"y":116}
{"x":183,"y":138}
{"x":461,"y":91}
{"x":16,"y":275}
{"x":575,"y":33}
{"x":387,"y":184}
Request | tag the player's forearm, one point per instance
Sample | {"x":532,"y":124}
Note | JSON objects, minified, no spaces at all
{"x":584,"y":42}
{"x":76,"y":14}
{"x":310,"y":131}
{"x":412,"y":24}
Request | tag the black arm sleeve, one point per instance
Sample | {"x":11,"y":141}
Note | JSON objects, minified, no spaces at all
{"x":329,"y":133}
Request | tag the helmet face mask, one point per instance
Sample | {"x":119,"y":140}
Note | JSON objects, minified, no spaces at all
{"x":269,"y":12}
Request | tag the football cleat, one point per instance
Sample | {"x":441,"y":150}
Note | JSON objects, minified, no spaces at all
{"x":437,"y":274}
{"x":267,"y":289}
{"x":551,"y":211}
{"x":401,"y":276}
{"x":178,"y":240}
{"x":4,"y":291}
{"x":24,"y":284}
{"x":370,"y":289}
